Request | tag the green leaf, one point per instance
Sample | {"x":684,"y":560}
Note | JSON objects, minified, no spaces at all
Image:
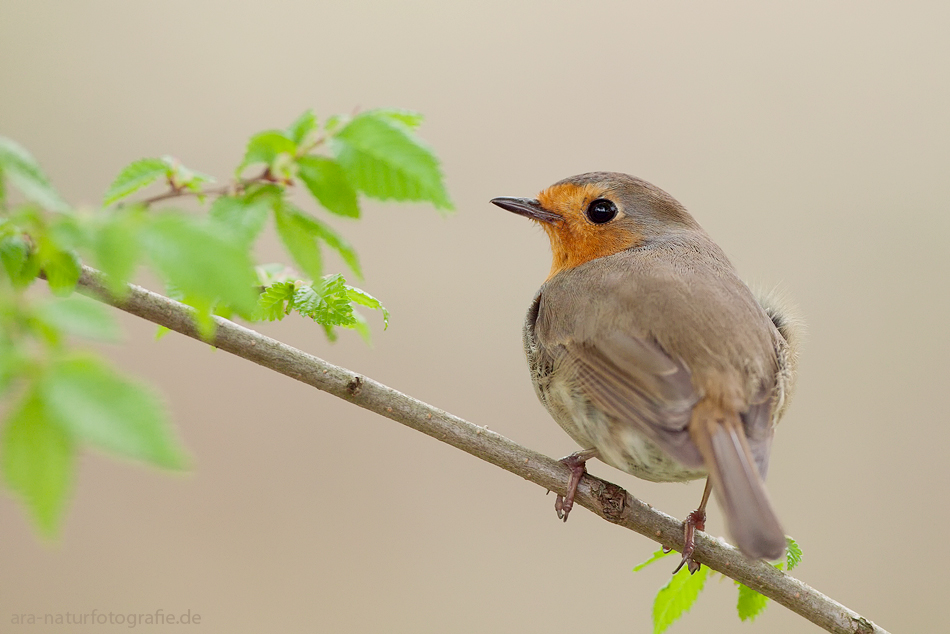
{"x":383,"y":159}
{"x":327,"y":181}
{"x":361,"y":297}
{"x":79,"y":316}
{"x":95,"y":404}
{"x":181,"y":177}
{"x":677,"y":597}
{"x":794,"y":553}
{"x":273,"y":272}
{"x":333,"y":240}
{"x":408,"y":118}
{"x":275,"y":300}
{"x":326,"y":302}
{"x":38,"y":462}
{"x":201,"y":262}
{"x":15,"y":257}
{"x":14,"y":360}
{"x":134,"y":177}
{"x":21,"y":169}
{"x":243,"y":217}
{"x":3,"y":190}
{"x":658,"y":555}
{"x":265,"y":148}
{"x":116,"y":247}
{"x":751,"y":603}
{"x":62,"y":268}
{"x":303,"y":128}
{"x":361,"y":326}
{"x":297,"y":235}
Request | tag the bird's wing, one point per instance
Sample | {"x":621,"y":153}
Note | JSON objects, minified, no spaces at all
{"x":637,"y":383}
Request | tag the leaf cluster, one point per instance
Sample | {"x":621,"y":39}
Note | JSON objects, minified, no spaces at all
{"x":61,"y":400}
{"x":681,"y":591}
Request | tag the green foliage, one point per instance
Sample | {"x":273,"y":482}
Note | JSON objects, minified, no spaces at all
{"x":327,"y":181}
{"x":299,"y":241}
{"x":37,"y":461}
{"x":658,"y":555}
{"x":303,"y":131}
{"x":95,"y":405}
{"x":793,"y":554}
{"x":750,"y":603}
{"x":78,"y":316}
{"x":265,"y":147}
{"x":201,"y":263}
{"x":134,"y":177}
{"x":384,"y":160}
{"x":20,"y":168}
{"x":68,"y":401}
{"x":677,"y":596}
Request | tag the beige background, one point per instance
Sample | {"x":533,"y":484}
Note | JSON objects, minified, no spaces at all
{"x":812,"y":142}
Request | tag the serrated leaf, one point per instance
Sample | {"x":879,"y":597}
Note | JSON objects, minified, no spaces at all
{"x":677,"y":597}
{"x":265,"y":147}
{"x":328,"y":184}
{"x":202,"y":263}
{"x":332,"y":239}
{"x":325,"y":301}
{"x":793,"y":554}
{"x":79,"y":316}
{"x":303,"y":128}
{"x":750,"y":603}
{"x":134,"y":177}
{"x":21,"y":169}
{"x":241,"y":216}
{"x":275,"y":300}
{"x":299,"y":240}
{"x":385,"y":160}
{"x":94,"y":403}
{"x":361,"y":297}
{"x":38,"y":462}
{"x":658,"y":555}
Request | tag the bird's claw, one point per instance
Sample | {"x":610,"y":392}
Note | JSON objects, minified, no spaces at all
{"x":575,"y":462}
{"x":694,"y":521}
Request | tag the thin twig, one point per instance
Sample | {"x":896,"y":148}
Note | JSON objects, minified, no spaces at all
{"x":603,"y":498}
{"x":236,"y":186}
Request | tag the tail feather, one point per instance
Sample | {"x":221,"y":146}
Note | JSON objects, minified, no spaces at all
{"x":750,"y":518}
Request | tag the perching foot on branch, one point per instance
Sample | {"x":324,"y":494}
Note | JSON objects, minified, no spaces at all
{"x":694,"y":521}
{"x":575,"y":462}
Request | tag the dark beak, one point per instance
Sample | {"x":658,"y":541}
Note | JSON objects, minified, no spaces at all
{"x":528,"y":207}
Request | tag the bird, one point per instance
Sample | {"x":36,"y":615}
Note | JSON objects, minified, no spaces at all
{"x":655,"y":357}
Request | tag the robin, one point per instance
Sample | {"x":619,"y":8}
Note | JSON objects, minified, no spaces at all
{"x":653,"y":355}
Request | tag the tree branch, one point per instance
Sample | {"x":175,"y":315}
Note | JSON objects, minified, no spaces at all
{"x":603,"y":498}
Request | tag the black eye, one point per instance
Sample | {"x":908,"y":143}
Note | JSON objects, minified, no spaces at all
{"x":601,"y":211}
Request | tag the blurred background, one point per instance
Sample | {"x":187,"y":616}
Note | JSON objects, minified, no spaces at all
{"x":811,"y":141}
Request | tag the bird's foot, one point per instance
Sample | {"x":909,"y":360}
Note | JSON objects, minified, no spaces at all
{"x":576,"y":463}
{"x":694,"y":521}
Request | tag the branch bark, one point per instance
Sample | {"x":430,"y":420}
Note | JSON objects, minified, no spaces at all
{"x":607,"y":500}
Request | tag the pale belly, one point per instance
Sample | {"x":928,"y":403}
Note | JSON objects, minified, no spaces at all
{"x":618,"y":443}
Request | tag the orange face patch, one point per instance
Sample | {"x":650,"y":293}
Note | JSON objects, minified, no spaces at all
{"x":575,"y":239}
